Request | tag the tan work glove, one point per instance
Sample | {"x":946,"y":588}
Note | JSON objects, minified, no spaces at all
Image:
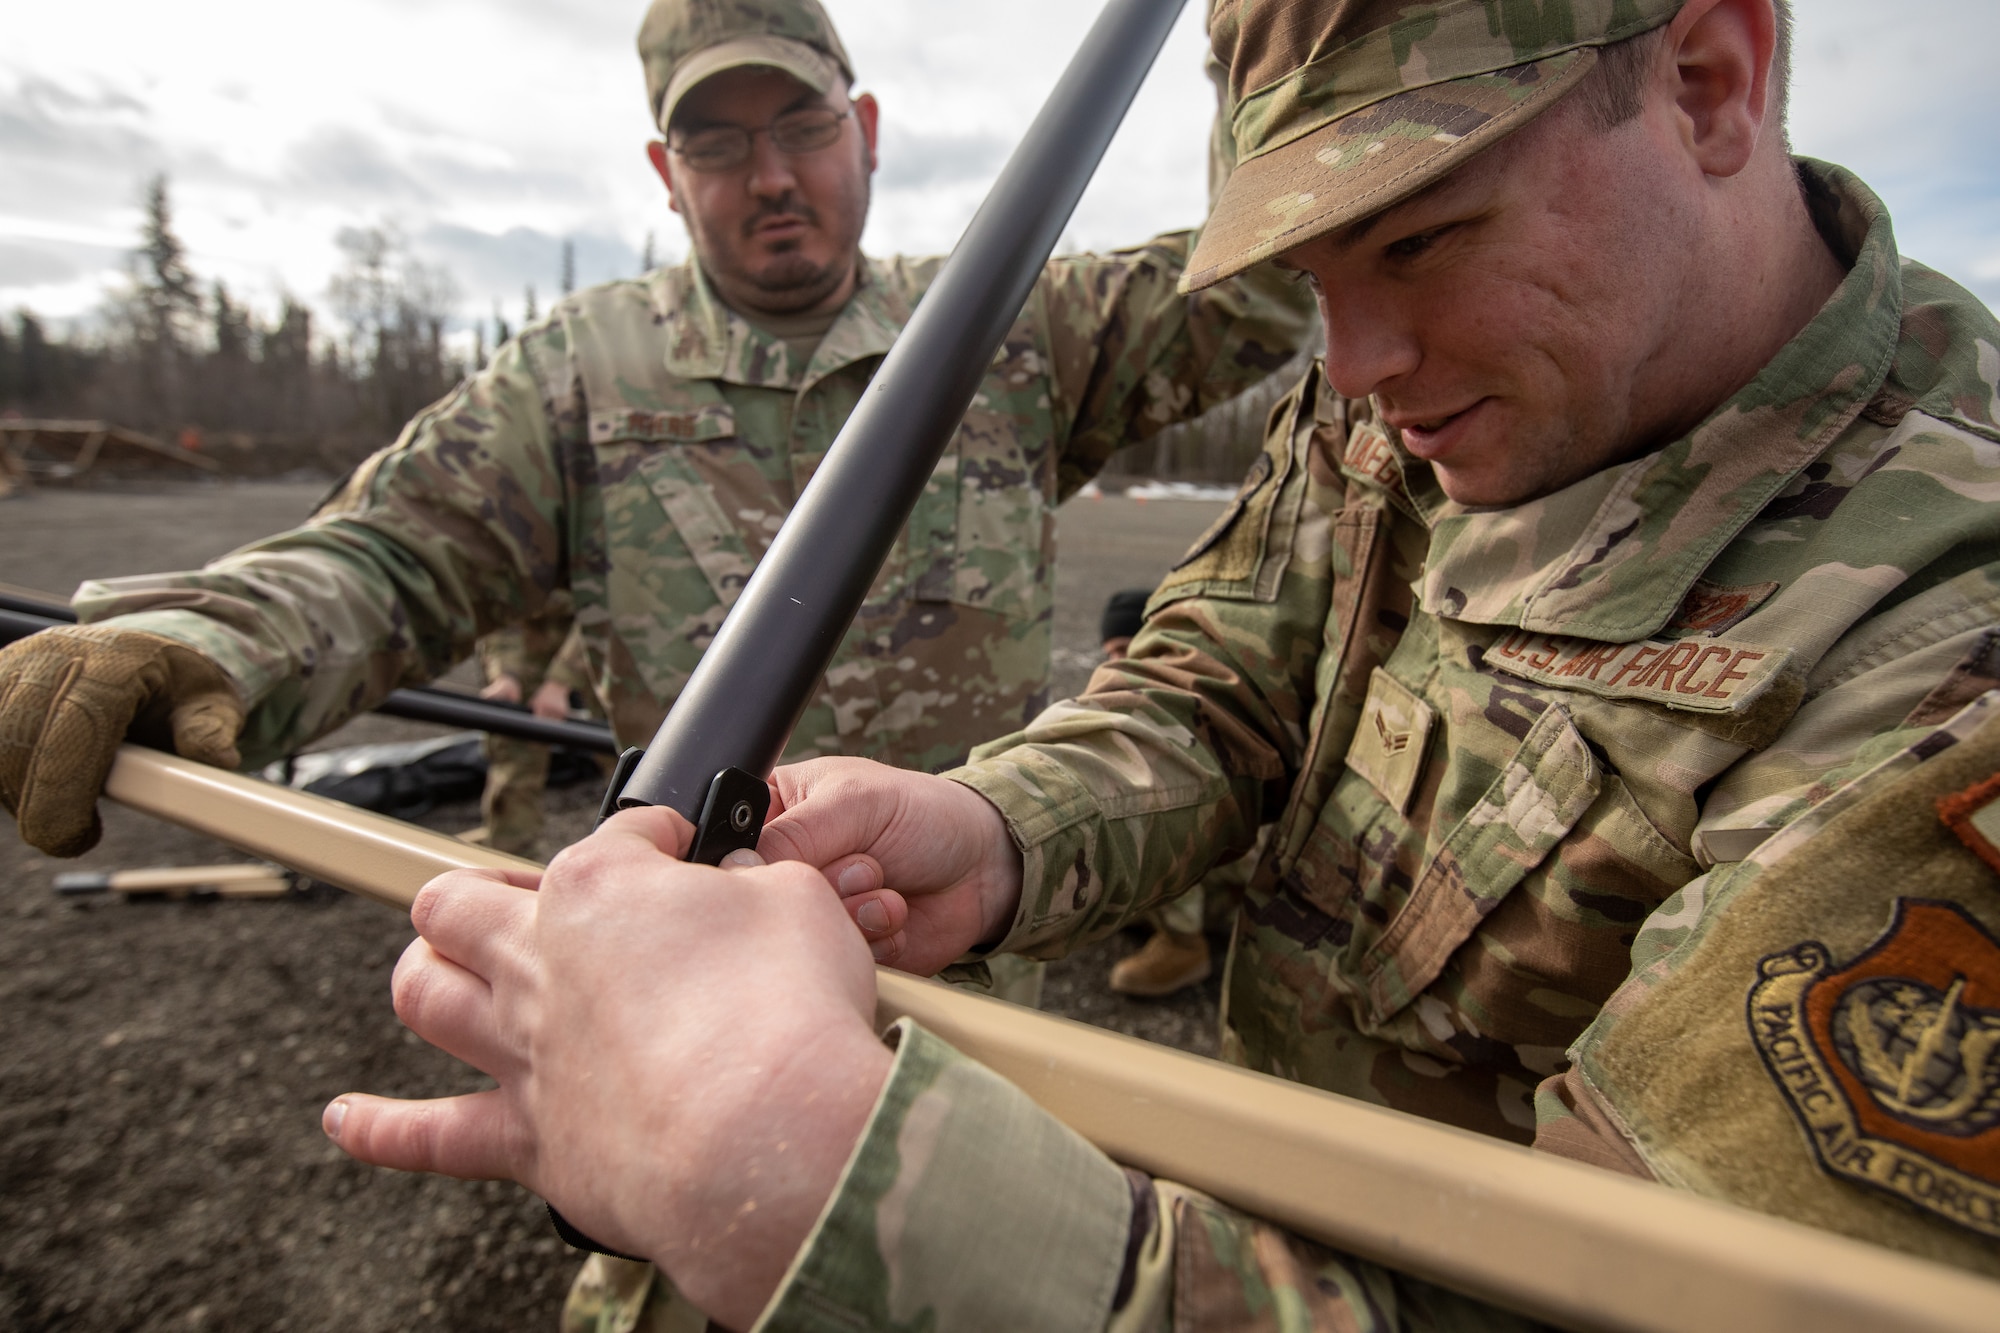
{"x":70,"y":696}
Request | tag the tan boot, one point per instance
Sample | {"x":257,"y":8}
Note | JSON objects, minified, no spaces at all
{"x":1168,"y":962}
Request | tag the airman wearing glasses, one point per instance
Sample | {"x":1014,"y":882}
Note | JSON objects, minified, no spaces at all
{"x":768,"y":161}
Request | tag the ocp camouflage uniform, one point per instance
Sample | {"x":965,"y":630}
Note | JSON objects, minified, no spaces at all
{"x":517,"y":772}
{"x":640,"y":448}
{"x":1513,"y":762}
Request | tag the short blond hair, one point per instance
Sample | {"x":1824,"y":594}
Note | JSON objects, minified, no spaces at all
{"x":1615,"y":90}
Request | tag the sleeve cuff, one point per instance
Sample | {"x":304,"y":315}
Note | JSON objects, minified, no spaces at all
{"x":965,"y":1206}
{"x":1040,"y":801}
{"x":207,"y":636}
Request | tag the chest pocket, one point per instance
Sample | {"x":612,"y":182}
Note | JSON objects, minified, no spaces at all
{"x":689,"y":464}
{"x":1531,"y":806}
{"x":982,"y":533}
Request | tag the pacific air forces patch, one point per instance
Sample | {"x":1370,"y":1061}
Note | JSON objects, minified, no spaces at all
{"x":1891,"y":1061}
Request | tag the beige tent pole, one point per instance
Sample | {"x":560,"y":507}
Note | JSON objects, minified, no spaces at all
{"x":1567,"y":1243}
{"x":253,"y":881}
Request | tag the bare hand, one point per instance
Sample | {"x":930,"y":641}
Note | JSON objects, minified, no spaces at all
{"x":926,"y":866}
{"x":505,"y":688}
{"x":686,"y":1055}
{"x":550,"y":701}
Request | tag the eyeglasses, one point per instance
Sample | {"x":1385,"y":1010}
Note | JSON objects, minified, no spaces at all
{"x":727,"y":147}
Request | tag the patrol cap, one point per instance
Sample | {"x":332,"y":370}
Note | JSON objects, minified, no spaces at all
{"x":1342,"y":108}
{"x":683,"y":42}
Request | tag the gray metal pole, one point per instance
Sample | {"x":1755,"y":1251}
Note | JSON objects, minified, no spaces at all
{"x":755,"y":680}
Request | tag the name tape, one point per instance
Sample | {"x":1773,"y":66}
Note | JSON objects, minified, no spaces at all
{"x":709,"y":421}
{"x":1699,"y":675}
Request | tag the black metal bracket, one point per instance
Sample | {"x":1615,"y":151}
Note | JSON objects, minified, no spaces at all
{"x":620,"y":775}
{"x":732,"y":816}
{"x":732,"y":813}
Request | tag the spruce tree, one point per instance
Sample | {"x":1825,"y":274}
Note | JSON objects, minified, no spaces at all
{"x":167,"y":305}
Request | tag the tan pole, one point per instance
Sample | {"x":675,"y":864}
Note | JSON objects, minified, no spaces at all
{"x":223,"y":881}
{"x":233,"y":881}
{"x":1566,"y":1243}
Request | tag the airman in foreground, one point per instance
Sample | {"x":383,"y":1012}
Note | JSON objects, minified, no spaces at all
{"x":1607,"y":640}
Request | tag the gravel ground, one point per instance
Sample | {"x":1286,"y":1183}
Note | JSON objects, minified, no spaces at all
{"x":163,"y":1065}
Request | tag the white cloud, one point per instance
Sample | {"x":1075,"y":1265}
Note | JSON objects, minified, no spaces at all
{"x":487,"y":130}
{"x":1908,"y":100}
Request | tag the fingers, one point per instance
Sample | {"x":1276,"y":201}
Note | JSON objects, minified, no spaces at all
{"x":71,"y":756}
{"x":824,"y":813}
{"x":879,"y":914}
{"x":477,"y":920}
{"x":205,"y":730}
{"x":473,"y":1137}
{"x":657,"y":826}
{"x":551,"y":702}
{"x":855,"y":875}
{"x":450,"y":1007}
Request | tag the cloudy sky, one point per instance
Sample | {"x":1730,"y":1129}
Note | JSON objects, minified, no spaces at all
{"x":487,"y":131}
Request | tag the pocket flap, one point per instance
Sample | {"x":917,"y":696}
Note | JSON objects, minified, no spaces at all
{"x":1539,"y":796}
{"x":716,"y":544}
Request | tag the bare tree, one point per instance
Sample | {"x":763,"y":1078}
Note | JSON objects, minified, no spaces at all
{"x":395,"y":308}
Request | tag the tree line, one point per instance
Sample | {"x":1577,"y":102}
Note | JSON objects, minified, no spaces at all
{"x":181,"y":358}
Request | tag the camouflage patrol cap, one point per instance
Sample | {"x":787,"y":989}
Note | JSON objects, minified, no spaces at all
{"x":683,"y":42}
{"x":1342,"y":108}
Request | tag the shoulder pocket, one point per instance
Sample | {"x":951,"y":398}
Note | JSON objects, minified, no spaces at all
{"x":1538,"y":797}
{"x":1242,"y":556}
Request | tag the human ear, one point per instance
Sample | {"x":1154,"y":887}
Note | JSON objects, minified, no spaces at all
{"x":1723,"y":54}
{"x":867,"y":115}
{"x":656,"y":153}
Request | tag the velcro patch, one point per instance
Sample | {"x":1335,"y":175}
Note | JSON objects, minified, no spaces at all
{"x":1891,"y":1062}
{"x":1974,"y":815}
{"x":1260,"y":472}
{"x":1389,"y":744}
{"x":1710,"y":608}
{"x":1699,"y":675}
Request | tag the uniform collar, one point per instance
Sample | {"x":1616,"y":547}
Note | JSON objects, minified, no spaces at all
{"x":1612,"y":556}
{"x":709,"y":341}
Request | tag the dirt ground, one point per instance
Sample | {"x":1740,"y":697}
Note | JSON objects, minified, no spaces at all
{"x":163,"y":1065}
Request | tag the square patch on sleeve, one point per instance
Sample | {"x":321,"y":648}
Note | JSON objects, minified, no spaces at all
{"x":1974,"y":816}
{"x":1389,"y":744}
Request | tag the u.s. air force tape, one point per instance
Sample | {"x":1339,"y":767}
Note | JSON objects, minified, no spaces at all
{"x":1703,"y":675}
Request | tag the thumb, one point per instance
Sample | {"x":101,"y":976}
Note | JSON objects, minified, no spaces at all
{"x":205,"y":730}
